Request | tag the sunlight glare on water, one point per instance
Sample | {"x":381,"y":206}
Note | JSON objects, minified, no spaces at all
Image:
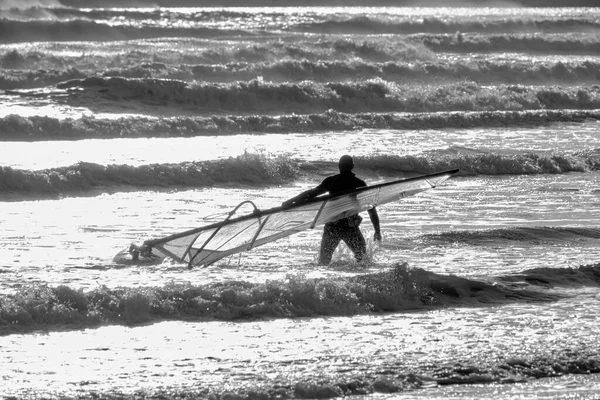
{"x":312,"y":147}
{"x":210,"y":354}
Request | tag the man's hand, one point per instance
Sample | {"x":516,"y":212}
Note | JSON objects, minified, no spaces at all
{"x":377,"y":236}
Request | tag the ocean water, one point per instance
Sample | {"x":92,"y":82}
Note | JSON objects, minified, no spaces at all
{"x":121,"y":125}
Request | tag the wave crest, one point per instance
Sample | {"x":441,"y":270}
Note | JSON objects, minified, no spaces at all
{"x":12,"y":31}
{"x":253,"y":169}
{"x":486,"y":163}
{"x":405,"y":26}
{"x":258,"y":169}
{"x":120,"y":94}
{"x":399,"y":289}
{"x":18,"y":128}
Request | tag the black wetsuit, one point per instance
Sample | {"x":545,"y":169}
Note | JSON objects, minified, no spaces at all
{"x":346,"y":229}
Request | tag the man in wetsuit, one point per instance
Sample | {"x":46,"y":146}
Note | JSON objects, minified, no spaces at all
{"x":346,"y":229}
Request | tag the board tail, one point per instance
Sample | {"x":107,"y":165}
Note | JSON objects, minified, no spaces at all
{"x":138,"y":255}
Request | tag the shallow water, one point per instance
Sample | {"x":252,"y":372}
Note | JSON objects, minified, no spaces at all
{"x":225,"y":355}
{"x":150,"y":122}
{"x":307,"y":147}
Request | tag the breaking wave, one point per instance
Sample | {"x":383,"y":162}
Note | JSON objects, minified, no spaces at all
{"x":19,"y":128}
{"x":481,"y":72}
{"x":306,"y":97}
{"x":247,"y":169}
{"x":405,"y":26}
{"x":212,"y":52}
{"x":119,"y":95}
{"x":259,"y":170}
{"x":568,"y":43}
{"x":399,"y":289}
{"x":485,"y":163}
{"x":12,"y":31}
{"x":37,"y":23}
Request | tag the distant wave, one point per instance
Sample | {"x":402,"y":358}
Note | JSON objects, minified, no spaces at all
{"x":24,"y":11}
{"x":319,"y":23}
{"x":398,"y":58}
{"x":18,"y":128}
{"x":12,"y":31}
{"x":61,"y":24}
{"x":529,"y":43}
{"x":257,"y":169}
{"x":119,"y":95}
{"x":26,"y":79}
{"x":117,"y":15}
{"x":399,"y":289}
{"x":487,"y":163}
{"x":68,"y":13}
{"x":82,"y":178}
{"x":395,"y":25}
{"x":211,"y":52}
{"x":482,"y":72}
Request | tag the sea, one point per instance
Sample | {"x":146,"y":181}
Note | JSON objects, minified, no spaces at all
{"x":119,"y":125}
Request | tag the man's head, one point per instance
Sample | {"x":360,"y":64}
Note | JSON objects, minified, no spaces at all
{"x":346,"y":163}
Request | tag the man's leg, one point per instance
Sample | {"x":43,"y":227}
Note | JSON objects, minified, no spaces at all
{"x":329,"y":242}
{"x":355,"y":240}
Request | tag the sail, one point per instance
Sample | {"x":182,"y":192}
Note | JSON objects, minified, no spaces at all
{"x":205,"y":245}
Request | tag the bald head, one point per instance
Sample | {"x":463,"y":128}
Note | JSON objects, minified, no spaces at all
{"x":346,"y":163}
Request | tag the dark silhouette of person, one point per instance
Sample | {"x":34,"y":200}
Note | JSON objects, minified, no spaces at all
{"x":347,"y":228}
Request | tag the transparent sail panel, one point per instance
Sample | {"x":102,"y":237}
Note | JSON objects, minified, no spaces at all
{"x":203,"y":246}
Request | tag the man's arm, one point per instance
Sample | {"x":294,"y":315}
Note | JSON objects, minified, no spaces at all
{"x":375,"y":221}
{"x":304,"y":196}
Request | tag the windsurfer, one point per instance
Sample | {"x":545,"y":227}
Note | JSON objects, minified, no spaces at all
{"x":346,"y":229}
